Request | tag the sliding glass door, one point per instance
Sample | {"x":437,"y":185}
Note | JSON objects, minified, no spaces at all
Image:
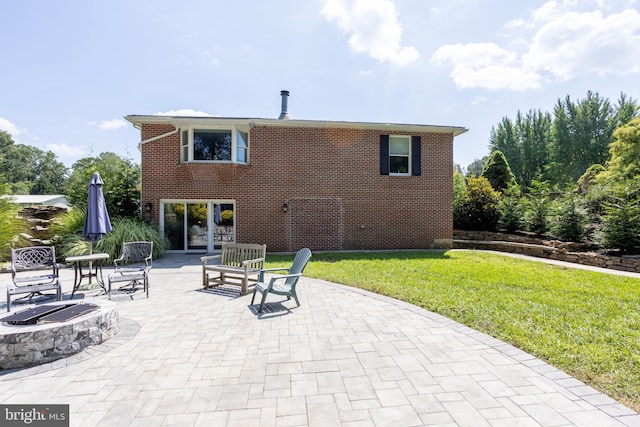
{"x":198,"y":226}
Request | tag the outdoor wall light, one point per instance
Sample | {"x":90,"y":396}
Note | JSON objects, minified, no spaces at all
{"x":148,"y":206}
{"x":285,"y":207}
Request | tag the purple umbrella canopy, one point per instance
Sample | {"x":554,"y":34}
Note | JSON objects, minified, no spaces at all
{"x":96,"y":222}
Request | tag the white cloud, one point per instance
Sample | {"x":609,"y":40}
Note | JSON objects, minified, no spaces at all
{"x":9,"y":127}
{"x":114,"y":124}
{"x":184,"y":112}
{"x":374,"y":28}
{"x":485,"y":65}
{"x":563,"y":43}
{"x":587,"y":44}
{"x":65,"y":151}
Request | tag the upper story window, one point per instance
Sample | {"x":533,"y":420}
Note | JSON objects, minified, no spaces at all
{"x":400,"y":155}
{"x":214,"y":145}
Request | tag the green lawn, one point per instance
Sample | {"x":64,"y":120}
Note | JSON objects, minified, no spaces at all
{"x":584,"y":323}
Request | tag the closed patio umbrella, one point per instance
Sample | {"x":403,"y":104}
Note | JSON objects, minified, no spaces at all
{"x":96,"y":222}
{"x":217,"y":217}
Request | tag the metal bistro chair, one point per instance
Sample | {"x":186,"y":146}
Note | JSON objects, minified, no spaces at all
{"x":33,"y":269}
{"x":133,"y":266}
{"x":284,"y":284}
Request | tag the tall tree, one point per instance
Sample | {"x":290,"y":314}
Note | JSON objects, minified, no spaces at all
{"x":505,"y":139}
{"x":121,"y":183}
{"x":626,"y":110}
{"x":534,"y":130}
{"x":525,"y":144}
{"x":29,"y":170}
{"x":582,"y":132}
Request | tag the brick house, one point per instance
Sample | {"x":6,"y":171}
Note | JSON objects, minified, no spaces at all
{"x":326,"y":185}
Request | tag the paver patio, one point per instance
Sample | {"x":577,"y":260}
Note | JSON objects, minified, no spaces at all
{"x":344,"y":357}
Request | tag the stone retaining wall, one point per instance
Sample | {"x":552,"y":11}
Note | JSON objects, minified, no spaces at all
{"x":543,"y":248}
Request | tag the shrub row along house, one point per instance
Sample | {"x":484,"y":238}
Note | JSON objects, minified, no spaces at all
{"x":326,"y":185}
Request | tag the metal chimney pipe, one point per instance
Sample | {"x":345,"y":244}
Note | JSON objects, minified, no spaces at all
{"x":283,"y":112}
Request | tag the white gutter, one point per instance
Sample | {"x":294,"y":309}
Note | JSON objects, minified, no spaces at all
{"x":186,"y":121}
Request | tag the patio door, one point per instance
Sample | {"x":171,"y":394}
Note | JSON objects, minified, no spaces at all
{"x":198,"y":226}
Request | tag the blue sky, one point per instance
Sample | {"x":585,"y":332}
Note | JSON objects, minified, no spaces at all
{"x":71,"y":69}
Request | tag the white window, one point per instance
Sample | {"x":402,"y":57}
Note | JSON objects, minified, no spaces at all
{"x":214,"y":145}
{"x":399,"y":155}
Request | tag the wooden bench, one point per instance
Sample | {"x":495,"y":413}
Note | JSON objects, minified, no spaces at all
{"x":236,"y":265}
{"x":33,"y":269}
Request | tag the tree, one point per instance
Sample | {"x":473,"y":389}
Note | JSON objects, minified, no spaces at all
{"x":559,"y":148}
{"x":571,"y":219}
{"x":582,"y":132}
{"x":479,"y":208}
{"x":504,"y":138}
{"x":625,"y":152}
{"x":626,"y":110}
{"x":538,"y":207}
{"x":525,"y":144}
{"x":29,"y":170}
{"x":534,"y":132}
{"x":121,"y":183}
{"x":5,"y":141}
{"x":511,"y":210}
{"x":477,"y":166}
{"x":498,"y":172}
{"x":621,"y":222}
{"x":589,"y":178}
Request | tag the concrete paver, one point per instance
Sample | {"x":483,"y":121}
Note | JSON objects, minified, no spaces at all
{"x":347,"y":357}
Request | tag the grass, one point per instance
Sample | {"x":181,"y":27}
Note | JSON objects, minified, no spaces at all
{"x":582,"y":322}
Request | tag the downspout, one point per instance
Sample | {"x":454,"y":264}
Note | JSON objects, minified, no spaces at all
{"x":177,"y":129}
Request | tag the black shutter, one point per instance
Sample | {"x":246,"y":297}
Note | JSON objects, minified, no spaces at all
{"x":416,"y":167}
{"x":384,"y":154}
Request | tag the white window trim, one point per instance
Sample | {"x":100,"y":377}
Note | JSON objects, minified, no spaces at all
{"x":234,"y":144}
{"x":408,"y":138}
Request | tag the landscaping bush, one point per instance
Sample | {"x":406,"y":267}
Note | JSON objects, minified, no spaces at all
{"x":571,"y":219}
{"x":621,"y":223}
{"x":511,"y":210}
{"x":538,"y":208}
{"x":10,"y":225}
{"x":479,"y":208}
{"x":498,"y":172}
{"x":72,"y":243}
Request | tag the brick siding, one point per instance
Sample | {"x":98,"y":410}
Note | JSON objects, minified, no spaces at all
{"x":330,"y":179}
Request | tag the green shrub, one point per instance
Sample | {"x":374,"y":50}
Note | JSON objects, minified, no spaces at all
{"x":72,"y":242}
{"x":538,"y":208}
{"x":479,"y":208}
{"x":10,"y":227}
{"x":571,"y":219}
{"x":498,"y":172}
{"x":621,"y":224}
{"x":511,"y":209}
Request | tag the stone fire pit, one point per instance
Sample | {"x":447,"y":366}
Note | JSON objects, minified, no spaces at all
{"x":26,"y":345}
